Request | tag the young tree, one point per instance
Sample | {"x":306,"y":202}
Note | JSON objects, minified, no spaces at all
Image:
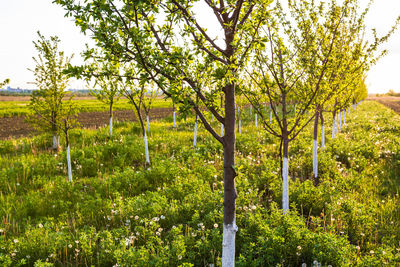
{"x":46,"y":103}
{"x":172,"y":48}
{"x":52,"y":107}
{"x":290,"y":69}
{"x":108,"y":80}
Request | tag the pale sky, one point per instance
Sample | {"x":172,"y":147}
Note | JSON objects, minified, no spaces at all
{"x":21,"y":19}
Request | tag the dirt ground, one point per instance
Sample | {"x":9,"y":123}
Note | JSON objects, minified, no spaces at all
{"x":389,"y":101}
{"x":15,"y":127}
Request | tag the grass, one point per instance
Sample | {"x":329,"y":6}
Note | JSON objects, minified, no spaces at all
{"x":20,"y":108}
{"x":120,"y":211}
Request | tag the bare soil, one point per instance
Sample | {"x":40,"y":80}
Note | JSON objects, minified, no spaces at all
{"x":15,"y":127}
{"x":391,"y":102}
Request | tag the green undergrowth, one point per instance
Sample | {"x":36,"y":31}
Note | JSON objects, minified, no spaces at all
{"x":120,"y":212}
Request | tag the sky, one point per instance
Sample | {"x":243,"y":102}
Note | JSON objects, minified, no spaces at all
{"x":21,"y":19}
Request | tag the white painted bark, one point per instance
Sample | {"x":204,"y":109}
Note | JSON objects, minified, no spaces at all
{"x":174,"y":119}
{"x":228,"y":244}
{"x":222,"y":129}
{"x":55,"y":141}
{"x":315,"y":157}
{"x":344,"y":117}
{"x":322,"y":136}
{"x":212,"y":117}
{"x":285,"y":185}
{"x":340,"y":121}
{"x":146,"y":148}
{"x":256,"y":121}
{"x":251,"y":110}
{"x":148,"y":123}
{"x":270,"y":117}
{"x":240,"y":126}
{"x":333,"y":128}
{"x":69,"y":165}
{"x":111,"y":126}
{"x":195,"y":134}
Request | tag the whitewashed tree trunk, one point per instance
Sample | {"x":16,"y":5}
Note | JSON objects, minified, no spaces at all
{"x":333,"y":128}
{"x":322,"y":135}
{"x":344,"y":116}
{"x":148,"y":123}
{"x":285,"y":185}
{"x":195,"y":134}
{"x":240,"y":126}
{"x":222,"y":129}
{"x":256,"y":121}
{"x":55,"y":141}
{"x":111,"y":126}
{"x":340,"y":121}
{"x":251,"y":110}
{"x":174,"y":119}
{"x":315,"y":157}
{"x":270,"y":117}
{"x":228,"y":244}
{"x":146,"y":148}
{"x":69,"y":165}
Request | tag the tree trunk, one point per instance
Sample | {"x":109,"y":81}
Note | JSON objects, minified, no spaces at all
{"x":315,"y":147}
{"x":173,"y":108}
{"x":256,"y":121}
{"x":229,"y":224}
{"x":340,"y":121}
{"x":68,"y":158}
{"x":251,"y":110}
{"x":344,"y":117}
{"x":111,"y":120}
{"x":56,"y":142}
{"x":270,"y":116}
{"x":195,"y":133}
{"x":333,"y":125}
{"x":285,"y":175}
{"x":322,"y":130}
{"x":146,"y":148}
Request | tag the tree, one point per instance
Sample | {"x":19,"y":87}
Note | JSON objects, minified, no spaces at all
{"x":52,"y":107}
{"x":108,"y":80}
{"x":5,"y":82}
{"x":290,"y":69}
{"x":170,"y":47}
{"x":46,"y":103}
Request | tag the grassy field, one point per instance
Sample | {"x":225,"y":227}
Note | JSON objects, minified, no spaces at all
{"x":119,"y":212}
{"x":20,"y":108}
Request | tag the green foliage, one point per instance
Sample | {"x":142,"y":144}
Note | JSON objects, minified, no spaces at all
{"x":119,"y":211}
{"x":51,"y":106}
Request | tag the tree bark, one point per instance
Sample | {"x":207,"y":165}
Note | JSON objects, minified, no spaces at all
{"x":285,"y":175}
{"x":68,"y":158}
{"x":322,"y":130}
{"x":173,"y":107}
{"x":315,"y":147}
{"x":229,"y":224}
{"x":256,"y":121}
{"x":111,"y":119}
{"x":55,"y":142}
{"x":333,"y":125}
{"x":195,"y":133}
